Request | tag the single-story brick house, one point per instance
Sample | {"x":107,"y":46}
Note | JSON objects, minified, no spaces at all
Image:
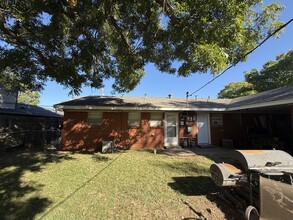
{"x":255,"y":121}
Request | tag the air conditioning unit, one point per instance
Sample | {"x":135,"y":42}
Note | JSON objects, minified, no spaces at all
{"x":227,"y":143}
{"x":107,"y":146}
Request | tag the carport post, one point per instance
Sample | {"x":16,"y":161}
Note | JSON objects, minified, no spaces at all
{"x":292,"y":118}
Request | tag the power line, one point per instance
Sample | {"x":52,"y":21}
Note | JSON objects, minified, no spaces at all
{"x":80,"y":187}
{"x":232,"y":65}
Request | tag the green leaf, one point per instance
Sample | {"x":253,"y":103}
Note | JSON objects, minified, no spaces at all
{"x":80,"y":43}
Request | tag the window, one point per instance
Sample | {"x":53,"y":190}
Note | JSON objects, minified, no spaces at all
{"x":156,"y":119}
{"x":95,"y":118}
{"x":134,"y":119}
{"x":217,"y":120}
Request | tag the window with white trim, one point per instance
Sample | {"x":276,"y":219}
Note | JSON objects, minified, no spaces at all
{"x":134,"y":119}
{"x":156,"y":119}
{"x":95,"y":118}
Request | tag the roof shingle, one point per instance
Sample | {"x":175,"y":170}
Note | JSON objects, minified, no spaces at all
{"x":153,"y":103}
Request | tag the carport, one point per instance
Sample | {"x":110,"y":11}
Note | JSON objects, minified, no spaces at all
{"x":261,"y":121}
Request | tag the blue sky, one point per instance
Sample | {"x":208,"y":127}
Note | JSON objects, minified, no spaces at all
{"x":157,"y":84}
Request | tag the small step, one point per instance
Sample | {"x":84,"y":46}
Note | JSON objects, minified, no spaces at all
{"x":173,"y":147}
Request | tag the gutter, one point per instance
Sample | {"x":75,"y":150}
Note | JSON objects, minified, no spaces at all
{"x":119,"y":108}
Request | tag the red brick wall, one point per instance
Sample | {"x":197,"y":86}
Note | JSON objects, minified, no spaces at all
{"x":74,"y":127}
{"x":146,"y":137}
{"x":77,"y":135}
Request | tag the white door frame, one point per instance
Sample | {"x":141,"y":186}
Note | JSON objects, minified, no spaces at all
{"x":206,"y":116}
{"x":171,"y":141}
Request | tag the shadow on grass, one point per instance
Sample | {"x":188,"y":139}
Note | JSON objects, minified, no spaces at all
{"x":16,"y":203}
{"x":96,"y":156}
{"x":202,"y":186}
{"x":197,"y":182}
{"x":193,"y":185}
{"x":100,"y":158}
{"x":87,"y":152}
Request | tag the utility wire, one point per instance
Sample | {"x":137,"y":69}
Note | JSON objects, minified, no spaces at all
{"x":80,"y":187}
{"x":232,"y":65}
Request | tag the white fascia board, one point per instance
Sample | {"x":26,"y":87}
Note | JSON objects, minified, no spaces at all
{"x":260,"y":105}
{"x":121,"y":108}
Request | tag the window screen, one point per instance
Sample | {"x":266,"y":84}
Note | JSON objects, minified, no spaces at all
{"x":134,"y":119}
{"x":156,"y":119}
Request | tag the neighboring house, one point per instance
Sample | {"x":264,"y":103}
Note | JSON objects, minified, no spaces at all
{"x":256,"y":121}
{"x":7,"y":100}
{"x":22,"y":124}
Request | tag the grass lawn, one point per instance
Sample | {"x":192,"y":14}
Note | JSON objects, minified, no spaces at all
{"x":123,"y":185}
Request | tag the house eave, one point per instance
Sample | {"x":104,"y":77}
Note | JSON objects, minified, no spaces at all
{"x":122,"y":108}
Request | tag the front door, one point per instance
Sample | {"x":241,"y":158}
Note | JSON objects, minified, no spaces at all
{"x":171,"y":129}
{"x":203,"y":136}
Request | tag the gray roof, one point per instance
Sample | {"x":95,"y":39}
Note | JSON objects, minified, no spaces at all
{"x":148,"y":103}
{"x":151,"y":103}
{"x":30,"y":110}
{"x":283,"y":95}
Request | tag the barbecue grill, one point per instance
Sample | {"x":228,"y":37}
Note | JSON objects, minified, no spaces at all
{"x":246,"y":162}
{"x":253,"y":167}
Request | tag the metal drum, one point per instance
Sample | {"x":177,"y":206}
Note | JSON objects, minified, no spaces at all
{"x":225,"y":174}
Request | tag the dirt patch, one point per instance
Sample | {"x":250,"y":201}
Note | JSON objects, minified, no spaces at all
{"x":203,"y":199}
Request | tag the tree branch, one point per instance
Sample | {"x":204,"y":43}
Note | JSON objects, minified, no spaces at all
{"x":168,"y":10}
{"x":12,"y":35}
{"x":113,"y":22}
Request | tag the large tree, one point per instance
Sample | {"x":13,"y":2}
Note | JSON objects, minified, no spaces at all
{"x":84,"y":42}
{"x":236,"y":89}
{"x":274,"y":74}
{"x":29,"y":97}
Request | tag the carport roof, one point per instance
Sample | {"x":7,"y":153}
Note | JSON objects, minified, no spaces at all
{"x":30,"y":110}
{"x":275,"y":97}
